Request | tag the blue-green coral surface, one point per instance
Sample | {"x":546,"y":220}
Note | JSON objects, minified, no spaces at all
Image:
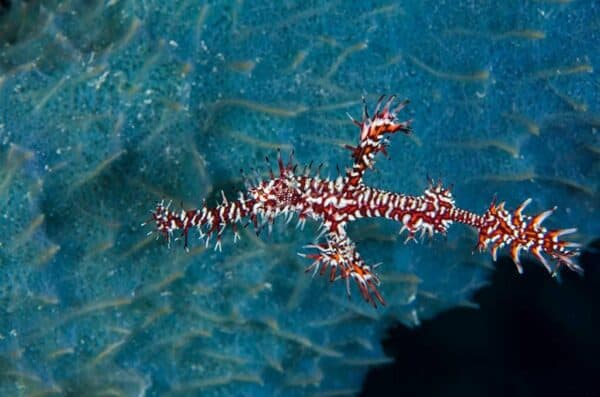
{"x":108,"y":106}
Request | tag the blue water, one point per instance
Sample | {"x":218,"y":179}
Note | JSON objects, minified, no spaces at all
{"x":106,"y":107}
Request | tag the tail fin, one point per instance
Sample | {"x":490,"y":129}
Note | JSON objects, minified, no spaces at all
{"x":499,"y":227}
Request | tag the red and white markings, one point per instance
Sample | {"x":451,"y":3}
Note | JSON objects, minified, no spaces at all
{"x":334,"y":203}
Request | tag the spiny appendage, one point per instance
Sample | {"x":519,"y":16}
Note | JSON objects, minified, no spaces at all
{"x":339,"y":255}
{"x":500,"y":227}
{"x":372,"y":131}
{"x":215,"y":220}
{"x":263,"y":201}
{"x":428,"y":214}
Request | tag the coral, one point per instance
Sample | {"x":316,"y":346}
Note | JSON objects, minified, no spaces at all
{"x":109,"y":105}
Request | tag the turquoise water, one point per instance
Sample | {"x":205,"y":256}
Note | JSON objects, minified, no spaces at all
{"x":107,"y":107}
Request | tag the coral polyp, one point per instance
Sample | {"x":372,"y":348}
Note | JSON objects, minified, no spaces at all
{"x":335,"y":203}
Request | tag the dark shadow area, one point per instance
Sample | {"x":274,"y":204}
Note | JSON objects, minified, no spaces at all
{"x":532,"y":336}
{"x":4,"y":6}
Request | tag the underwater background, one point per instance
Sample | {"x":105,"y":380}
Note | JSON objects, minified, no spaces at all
{"x":107,"y":107}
